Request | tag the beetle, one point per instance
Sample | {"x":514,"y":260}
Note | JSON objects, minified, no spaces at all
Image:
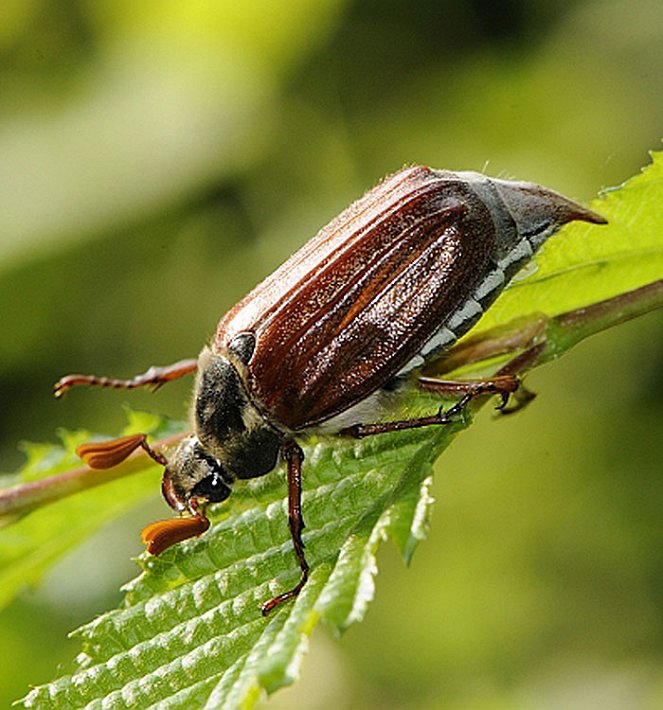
{"x":385,"y":287}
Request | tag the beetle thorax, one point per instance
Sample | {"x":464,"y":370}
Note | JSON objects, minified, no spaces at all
{"x":227,"y":424}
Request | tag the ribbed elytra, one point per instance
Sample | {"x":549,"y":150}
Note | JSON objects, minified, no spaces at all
{"x":392,"y":281}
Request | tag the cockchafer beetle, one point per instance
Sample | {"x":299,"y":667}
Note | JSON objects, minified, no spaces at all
{"x":387,"y":285}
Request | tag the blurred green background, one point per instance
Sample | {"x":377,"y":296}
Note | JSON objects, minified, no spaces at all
{"x":158,"y":158}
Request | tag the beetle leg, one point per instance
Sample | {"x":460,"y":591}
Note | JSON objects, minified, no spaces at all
{"x":360,"y":431}
{"x":154,"y":378}
{"x":504,"y":385}
{"x":521,"y":363}
{"x":294,"y":456}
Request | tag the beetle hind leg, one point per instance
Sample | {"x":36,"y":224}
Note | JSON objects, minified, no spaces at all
{"x":503,"y":385}
{"x":506,"y":383}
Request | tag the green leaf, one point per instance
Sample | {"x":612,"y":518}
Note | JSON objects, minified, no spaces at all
{"x":583,"y":264}
{"x":35,"y":542}
{"x":191,"y":634}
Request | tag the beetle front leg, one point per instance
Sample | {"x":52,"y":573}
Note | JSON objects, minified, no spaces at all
{"x":154,"y":377}
{"x":294,"y":457}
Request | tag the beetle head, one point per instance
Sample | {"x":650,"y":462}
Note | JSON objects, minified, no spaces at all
{"x":193,"y":478}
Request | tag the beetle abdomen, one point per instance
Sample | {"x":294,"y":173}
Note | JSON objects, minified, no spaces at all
{"x":402,"y":273}
{"x":469,"y":313}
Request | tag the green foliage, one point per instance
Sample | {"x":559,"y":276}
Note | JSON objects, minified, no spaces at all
{"x":584,"y":265}
{"x":36,"y":541}
{"x":190,"y":633}
{"x":192,"y":625}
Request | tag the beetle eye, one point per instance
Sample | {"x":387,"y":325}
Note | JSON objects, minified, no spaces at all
{"x":211,"y":487}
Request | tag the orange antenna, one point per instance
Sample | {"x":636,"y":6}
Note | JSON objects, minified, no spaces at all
{"x":163,"y":534}
{"x":106,"y":454}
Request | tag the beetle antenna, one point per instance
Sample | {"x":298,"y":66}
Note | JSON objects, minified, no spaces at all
{"x":106,"y":454}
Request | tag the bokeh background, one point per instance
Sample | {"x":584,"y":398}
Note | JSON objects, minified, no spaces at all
{"x":158,"y":158}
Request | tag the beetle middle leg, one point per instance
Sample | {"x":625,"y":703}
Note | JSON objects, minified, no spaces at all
{"x":154,"y":377}
{"x":294,"y":457}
